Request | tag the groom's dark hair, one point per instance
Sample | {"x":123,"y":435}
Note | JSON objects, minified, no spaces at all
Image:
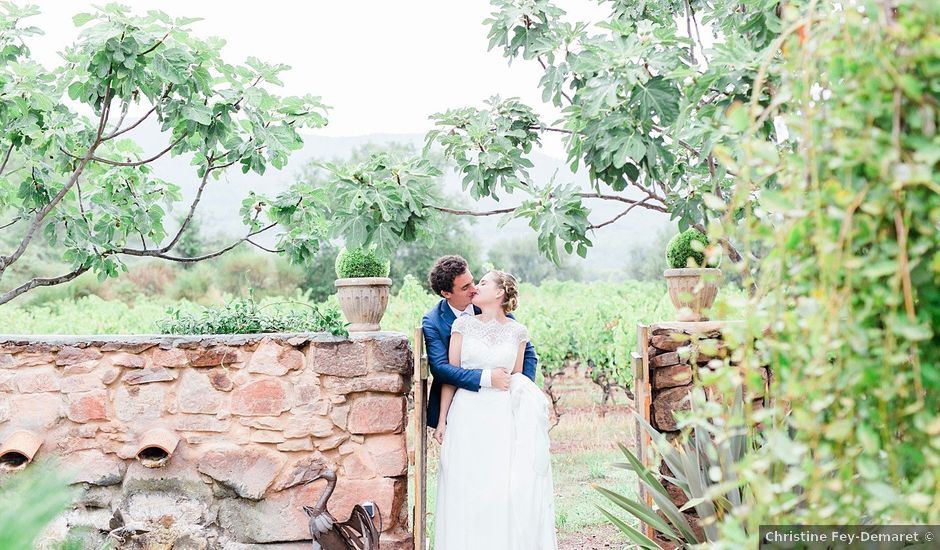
{"x":445,"y":270}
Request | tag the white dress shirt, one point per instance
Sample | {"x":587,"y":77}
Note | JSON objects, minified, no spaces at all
{"x":485,"y":374}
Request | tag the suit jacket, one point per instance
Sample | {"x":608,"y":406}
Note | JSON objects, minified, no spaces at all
{"x":436,"y":325}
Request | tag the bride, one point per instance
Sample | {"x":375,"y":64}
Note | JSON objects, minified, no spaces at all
{"x":494,"y":487}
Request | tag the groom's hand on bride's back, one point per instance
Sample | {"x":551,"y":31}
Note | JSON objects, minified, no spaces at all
{"x":499,"y":378}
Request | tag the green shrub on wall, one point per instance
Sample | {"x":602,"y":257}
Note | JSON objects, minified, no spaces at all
{"x":360,"y":263}
{"x":689,"y":244}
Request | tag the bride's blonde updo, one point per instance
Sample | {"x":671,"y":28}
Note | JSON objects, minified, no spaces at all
{"x":510,"y":288}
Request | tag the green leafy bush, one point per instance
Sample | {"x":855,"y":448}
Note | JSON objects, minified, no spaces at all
{"x":357,"y":262}
{"x":680,"y":249}
{"x":31,"y":500}
{"x":245,"y":316}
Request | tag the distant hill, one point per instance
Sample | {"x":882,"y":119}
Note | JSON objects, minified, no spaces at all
{"x":218,"y":210}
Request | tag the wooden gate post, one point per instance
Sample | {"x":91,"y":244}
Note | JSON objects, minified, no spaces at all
{"x":642,"y":400}
{"x":421,"y":374}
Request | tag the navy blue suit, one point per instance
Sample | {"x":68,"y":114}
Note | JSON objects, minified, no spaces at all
{"x":436,"y":325}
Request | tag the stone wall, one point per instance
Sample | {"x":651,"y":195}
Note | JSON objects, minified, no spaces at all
{"x":253,"y":414}
{"x":672,"y":361}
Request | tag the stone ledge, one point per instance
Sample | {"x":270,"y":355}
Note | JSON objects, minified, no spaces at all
{"x":177,"y":340}
{"x":692,"y":326}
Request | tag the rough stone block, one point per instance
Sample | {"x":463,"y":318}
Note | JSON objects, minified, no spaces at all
{"x":135,"y":403}
{"x":201,"y":423}
{"x":300,"y":425}
{"x":275,"y":359}
{"x":129,"y":360}
{"x":38,"y":379}
{"x":390,"y":453}
{"x":665,"y":404}
{"x":388,"y":383}
{"x":671,"y":377}
{"x":94,"y":467}
{"x":220,"y":380}
{"x":377,"y":414}
{"x":83,"y":382}
{"x":666,"y":342}
{"x":70,"y":355}
{"x":173,"y":357}
{"x":338,"y":359}
{"x":87,"y":406}
{"x":196,"y":393}
{"x":150,"y":375}
{"x":665,"y":359}
{"x":219,"y":356}
{"x":248,"y":471}
{"x":392,"y":353}
{"x":261,"y":398}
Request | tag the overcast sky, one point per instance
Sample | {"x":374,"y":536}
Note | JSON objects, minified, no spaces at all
{"x":382,"y":66}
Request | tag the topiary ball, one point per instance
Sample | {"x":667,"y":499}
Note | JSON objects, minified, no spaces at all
{"x":360,"y":263}
{"x":679,"y":249}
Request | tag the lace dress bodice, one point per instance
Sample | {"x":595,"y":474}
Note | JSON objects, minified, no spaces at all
{"x":489,"y":344}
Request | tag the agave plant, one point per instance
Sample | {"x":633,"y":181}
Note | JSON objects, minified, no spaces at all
{"x":703,"y":465}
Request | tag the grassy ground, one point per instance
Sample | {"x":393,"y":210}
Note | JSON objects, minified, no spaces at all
{"x":583,"y":449}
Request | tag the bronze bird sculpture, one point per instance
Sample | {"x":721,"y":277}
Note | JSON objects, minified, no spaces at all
{"x":359,"y":532}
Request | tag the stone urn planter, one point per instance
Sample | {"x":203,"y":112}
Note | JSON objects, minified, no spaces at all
{"x":362,"y":288}
{"x":692,"y":290}
{"x":363,"y":300}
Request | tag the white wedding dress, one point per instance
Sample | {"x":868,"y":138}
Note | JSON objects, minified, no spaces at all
{"x":494,"y":483}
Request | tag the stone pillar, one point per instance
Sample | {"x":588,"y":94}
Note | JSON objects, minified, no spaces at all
{"x":670,"y":367}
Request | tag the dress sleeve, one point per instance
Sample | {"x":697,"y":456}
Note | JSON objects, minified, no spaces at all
{"x":522,"y":333}
{"x":460,"y":325}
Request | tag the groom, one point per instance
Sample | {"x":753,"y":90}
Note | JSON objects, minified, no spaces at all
{"x":450,"y":278}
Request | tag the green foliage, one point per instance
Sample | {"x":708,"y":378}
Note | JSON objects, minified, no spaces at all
{"x":703,"y":467}
{"x":356,"y":262}
{"x":843,"y":259}
{"x":443,"y":236}
{"x":246,"y":316}
{"x":687,"y":249}
{"x":32,"y":499}
{"x":378,"y":202}
{"x":86,"y":188}
{"x":642,"y":102}
{"x":591,"y":323}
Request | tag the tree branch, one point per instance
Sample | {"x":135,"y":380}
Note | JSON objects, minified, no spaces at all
{"x":471,"y":212}
{"x":120,"y":121}
{"x":166,"y":94}
{"x":6,"y":159}
{"x":618,"y":216}
{"x":155,"y":46}
{"x":161,"y":255}
{"x":6,"y":261}
{"x":725,"y":244}
{"x":13,"y":221}
{"x":189,"y":216}
{"x":623,"y":199}
{"x":550,"y":129}
{"x":131,"y":127}
{"x":697,"y":33}
{"x":139,"y":162}
{"x":688,"y":29}
{"x":40,"y":281}
{"x":253,"y":243}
